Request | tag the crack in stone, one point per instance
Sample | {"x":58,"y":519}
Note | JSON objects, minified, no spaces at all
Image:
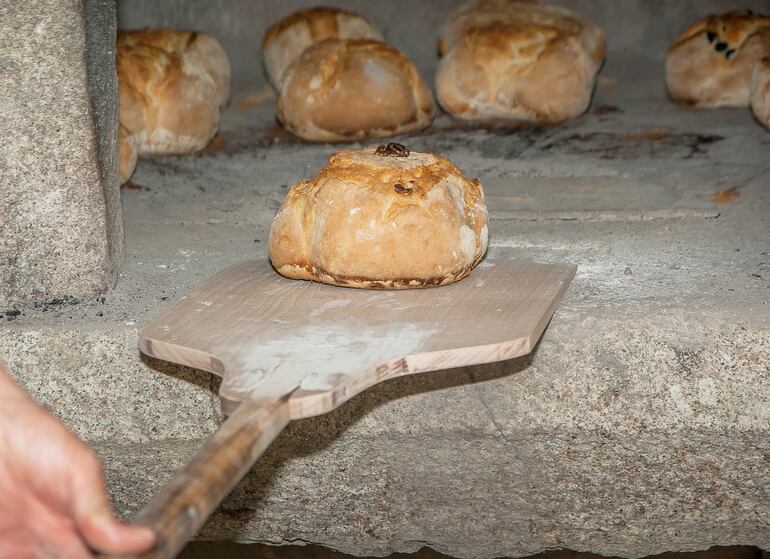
{"x":477,"y":388}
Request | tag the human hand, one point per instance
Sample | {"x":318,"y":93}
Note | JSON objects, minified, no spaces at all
{"x":53,"y":502}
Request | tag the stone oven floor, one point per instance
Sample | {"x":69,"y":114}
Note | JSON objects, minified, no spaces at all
{"x":640,"y":424}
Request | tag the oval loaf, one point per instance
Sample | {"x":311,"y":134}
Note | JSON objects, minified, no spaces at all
{"x":351,"y":89}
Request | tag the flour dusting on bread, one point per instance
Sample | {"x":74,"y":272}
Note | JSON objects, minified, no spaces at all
{"x":381,"y":217}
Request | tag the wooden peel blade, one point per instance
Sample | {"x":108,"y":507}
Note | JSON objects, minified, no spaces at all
{"x":289,"y":350}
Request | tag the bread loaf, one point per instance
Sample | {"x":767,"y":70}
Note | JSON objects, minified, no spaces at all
{"x":475,"y":13}
{"x":760,"y":92}
{"x":710,"y":63}
{"x":518,"y":61}
{"x":351,"y":89}
{"x":284,"y":41}
{"x":381,"y":218}
{"x":172,"y":87}
{"x":128,"y":154}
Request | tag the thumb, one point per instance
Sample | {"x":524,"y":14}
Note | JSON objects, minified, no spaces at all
{"x":93,"y":514}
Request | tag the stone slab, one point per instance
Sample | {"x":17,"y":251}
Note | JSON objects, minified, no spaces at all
{"x":622,"y":435}
{"x":60,"y":226}
{"x":639,"y":425}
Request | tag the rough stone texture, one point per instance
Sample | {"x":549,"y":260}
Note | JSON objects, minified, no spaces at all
{"x":60,"y":227}
{"x":640,"y":424}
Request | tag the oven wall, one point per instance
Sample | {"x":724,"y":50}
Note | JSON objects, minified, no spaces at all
{"x":638,"y":31}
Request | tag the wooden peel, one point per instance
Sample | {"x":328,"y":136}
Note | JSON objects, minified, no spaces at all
{"x":293,"y":349}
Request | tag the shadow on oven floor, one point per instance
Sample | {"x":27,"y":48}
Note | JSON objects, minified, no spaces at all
{"x":215,"y":550}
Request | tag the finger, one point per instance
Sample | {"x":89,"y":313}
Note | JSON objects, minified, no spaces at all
{"x":94,"y":518}
{"x":109,"y":535}
{"x":66,"y":546}
{"x":50,"y":535}
{"x":45,"y":532}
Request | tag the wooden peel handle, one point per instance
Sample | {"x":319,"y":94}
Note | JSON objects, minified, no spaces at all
{"x":184,"y":504}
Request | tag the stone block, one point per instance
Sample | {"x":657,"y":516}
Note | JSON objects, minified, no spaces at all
{"x":60,"y":227}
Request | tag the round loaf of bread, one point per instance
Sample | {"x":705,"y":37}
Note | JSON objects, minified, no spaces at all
{"x":517,"y":61}
{"x":710,"y":63}
{"x":381,"y":218}
{"x":127,"y":154}
{"x":351,"y":89}
{"x":284,"y":41}
{"x":172,"y":87}
{"x":760,"y":92}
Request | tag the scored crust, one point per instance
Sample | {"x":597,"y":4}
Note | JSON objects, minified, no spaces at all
{"x":285,"y":40}
{"x":760,"y":92}
{"x":373,"y":221}
{"x":479,"y":13}
{"x":173,"y":85}
{"x":351,"y":89}
{"x":710,"y":64}
{"x":196,"y":47}
{"x":514,"y":60}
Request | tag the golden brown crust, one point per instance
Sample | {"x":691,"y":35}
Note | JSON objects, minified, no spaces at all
{"x":285,"y":40}
{"x":732,"y":27}
{"x":127,"y":154}
{"x":381,"y":222}
{"x":514,"y":60}
{"x":710,"y":63}
{"x":351,"y":89}
{"x":690,"y":32}
{"x":322,"y":20}
{"x":760,"y":92}
{"x":529,"y":18}
{"x":172,"y":87}
{"x":193,"y":46}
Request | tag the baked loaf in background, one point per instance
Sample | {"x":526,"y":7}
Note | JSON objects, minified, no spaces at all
{"x":710,"y":63}
{"x":351,"y":89}
{"x":127,"y":154}
{"x":284,"y":41}
{"x":517,"y":61}
{"x":381,"y":218}
{"x":475,"y":13}
{"x":172,"y":87}
{"x":760,"y":92}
